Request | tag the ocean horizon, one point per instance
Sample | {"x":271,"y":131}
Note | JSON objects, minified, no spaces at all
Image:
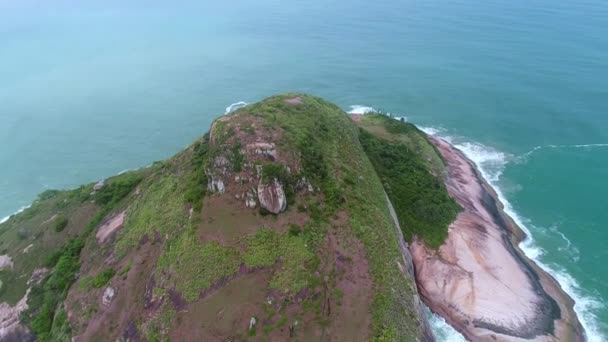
{"x":90,"y":90}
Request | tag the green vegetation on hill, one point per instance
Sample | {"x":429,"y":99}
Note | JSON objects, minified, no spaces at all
{"x":173,"y":247}
{"x":45,"y":314}
{"x":266,"y":247}
{"x":196,"y":266}
{"x":420,"y":198}
{"x":333,"y":159}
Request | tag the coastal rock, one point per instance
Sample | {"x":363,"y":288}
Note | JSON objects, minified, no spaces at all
{"x":99,"y":185}
{"x":10,"y":325}
{"x":272,"y":197}
{"x":478,"y":280}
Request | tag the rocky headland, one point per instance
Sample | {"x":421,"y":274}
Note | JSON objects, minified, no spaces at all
{"x":479,"y":280}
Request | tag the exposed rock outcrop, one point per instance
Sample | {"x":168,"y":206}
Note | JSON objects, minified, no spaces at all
{"x":407,"y":268}
{"x":5,"y":262}
{"x":10,"y":327}
{"x":479,"y":281}
{"x":111,"y":226}
{"x":108,"y":295}
{"x":272,"y":197}
{"x":265,"y":149}
{"x":216,"y":184}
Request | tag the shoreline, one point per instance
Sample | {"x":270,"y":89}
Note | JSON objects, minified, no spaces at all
{"x":490,"y":289}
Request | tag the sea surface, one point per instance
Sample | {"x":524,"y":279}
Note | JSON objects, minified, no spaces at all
{"x":88,"y":89}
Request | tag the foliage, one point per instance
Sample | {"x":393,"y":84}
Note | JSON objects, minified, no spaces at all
{"x":99,"y":280}
{"x":196,"y":184}
{"x":60,"y":223}
{"x":118,"y":188}
{"x":421,"y":201}
{"x":160,"y":208}
{"x":48,"y":194}
{"x":45,"y":298}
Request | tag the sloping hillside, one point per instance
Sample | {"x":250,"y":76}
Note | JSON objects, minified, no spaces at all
{"x":272,"y":226}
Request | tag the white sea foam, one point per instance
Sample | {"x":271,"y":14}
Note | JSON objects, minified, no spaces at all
{"x":235,"y":106}
{"x":358,"y":109}
{"x":442,"y":330}
{"x":524,"y":157}
{"x":491,"y":164}
{"x":431,"y":130}
{"x":15,"y":213}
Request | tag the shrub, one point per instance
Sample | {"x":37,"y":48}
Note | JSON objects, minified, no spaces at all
{"x":60,"y":223}
{"x":118,"y":188}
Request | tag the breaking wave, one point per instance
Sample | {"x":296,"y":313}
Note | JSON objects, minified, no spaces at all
{"x":524,"y":157}
{"x":15,"y":213}
{"x":235,"y":106}
{"x":357,"y":109}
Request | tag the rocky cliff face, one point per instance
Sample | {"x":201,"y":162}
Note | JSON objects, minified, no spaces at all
{"x":463,"y":246}
{"x":479,"y":280}
{"x":273,"y":226}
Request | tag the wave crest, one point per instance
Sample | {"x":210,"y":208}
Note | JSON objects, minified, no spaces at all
{"x":235,"y":106}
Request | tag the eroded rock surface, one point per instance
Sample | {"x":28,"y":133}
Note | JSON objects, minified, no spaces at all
{"x":483,"y":285}
{"x":272,"y":197}
{"x":110,"y":227}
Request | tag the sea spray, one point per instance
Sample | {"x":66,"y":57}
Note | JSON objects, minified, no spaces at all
{"x":358,"y":109}
{"x":442,"y":330}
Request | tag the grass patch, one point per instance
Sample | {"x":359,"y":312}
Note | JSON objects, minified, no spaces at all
{"x":299,"y":262}
{"x":98,"y":281}
{"x":263,"y":248}
{"x":157,"y":328}
{"x":195,"y":266}
{"x":160,"y":208}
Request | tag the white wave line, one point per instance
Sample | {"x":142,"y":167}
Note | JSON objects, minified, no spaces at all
{"x":537,"y":148}
{"x":235,"y":106}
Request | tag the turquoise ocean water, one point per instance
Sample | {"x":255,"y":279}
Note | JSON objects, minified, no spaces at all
{"x":88,"y":89}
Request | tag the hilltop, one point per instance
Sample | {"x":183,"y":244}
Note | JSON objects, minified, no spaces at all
{"x":274,"y":225}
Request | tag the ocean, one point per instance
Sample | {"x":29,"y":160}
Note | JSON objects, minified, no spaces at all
{"x":88,"y":89}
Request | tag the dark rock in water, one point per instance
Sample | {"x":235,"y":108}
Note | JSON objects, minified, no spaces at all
{"x":272,"y":197}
